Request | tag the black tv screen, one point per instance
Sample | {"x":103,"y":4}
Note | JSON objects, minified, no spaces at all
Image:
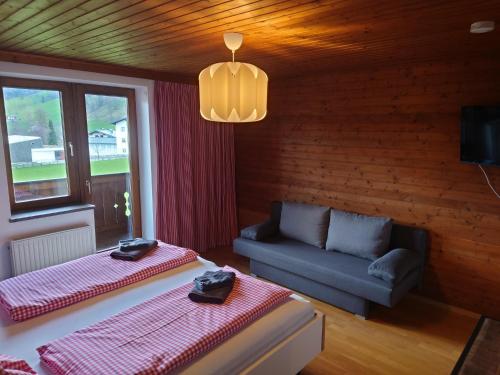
{"x":480,"y":135}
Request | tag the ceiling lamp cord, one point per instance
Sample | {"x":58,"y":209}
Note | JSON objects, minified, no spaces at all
{"x":488,"y":181}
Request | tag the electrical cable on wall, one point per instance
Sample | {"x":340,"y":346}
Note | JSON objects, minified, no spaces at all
{"x":488,"y":181}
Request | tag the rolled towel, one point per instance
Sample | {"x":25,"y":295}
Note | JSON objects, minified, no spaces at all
{"x":214,"y":279}
{"x":137,"y":244}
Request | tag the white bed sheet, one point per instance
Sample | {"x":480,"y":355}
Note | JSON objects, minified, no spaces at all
{"x":21,"y":339}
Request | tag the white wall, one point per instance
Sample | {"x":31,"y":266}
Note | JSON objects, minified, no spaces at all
{"x":145,"y":123}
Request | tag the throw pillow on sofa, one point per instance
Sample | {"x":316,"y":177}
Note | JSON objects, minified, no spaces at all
{"x":395,"y":265}
{"x":305,"y":222}
{"x":359,"y":235}
{"x":259,"y":232}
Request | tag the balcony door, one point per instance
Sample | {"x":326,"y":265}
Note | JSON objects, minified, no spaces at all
{"x":110,"y":175}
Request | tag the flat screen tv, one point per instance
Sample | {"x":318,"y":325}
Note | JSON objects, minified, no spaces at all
{"x":480,"y":135}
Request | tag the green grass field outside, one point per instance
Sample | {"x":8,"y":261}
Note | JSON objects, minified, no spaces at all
{"x":55,"y":171}
{"x":112,"y":166}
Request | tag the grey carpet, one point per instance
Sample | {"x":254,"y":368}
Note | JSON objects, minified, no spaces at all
{"x":482,"y":354}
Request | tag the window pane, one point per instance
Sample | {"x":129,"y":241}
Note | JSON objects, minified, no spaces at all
{"x":36,"y":143}
{"x":107,"y":127}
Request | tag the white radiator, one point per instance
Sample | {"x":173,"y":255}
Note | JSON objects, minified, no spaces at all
{"x":34,"y":253}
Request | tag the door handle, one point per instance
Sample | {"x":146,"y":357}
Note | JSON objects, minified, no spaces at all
{"x":70,"y":145}
{"x":88,"y":184}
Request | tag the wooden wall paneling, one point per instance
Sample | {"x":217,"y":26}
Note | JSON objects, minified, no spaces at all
{"x":385,"y":141}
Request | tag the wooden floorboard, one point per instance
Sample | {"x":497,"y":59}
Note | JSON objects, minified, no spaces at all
{"x":418,"y":336}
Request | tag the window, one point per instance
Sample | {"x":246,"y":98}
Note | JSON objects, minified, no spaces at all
{"x":73,"y":143}
{"x":38,"y":143}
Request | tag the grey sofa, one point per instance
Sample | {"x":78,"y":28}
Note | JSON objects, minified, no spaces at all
{"x":310,"y":249}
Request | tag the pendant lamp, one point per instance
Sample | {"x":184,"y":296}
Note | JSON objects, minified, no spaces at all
{"x":233,"y":91}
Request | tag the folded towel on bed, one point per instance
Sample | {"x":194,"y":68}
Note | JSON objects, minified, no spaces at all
{"x":213,"y":280}
{"x":11,"y":365}
{"x":129,"y":255}
{"x":137,"y":244}
{"x":212,"y":287}
{"x":217,"y":296}
{"x":133,"y":249}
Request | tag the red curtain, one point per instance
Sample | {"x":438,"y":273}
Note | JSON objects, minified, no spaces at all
{"x":196,"y":199}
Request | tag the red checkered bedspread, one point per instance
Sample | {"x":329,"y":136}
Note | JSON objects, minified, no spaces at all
{"x":162,"y":334}
{"x":35,"y":293}
{"x":13,"y":366}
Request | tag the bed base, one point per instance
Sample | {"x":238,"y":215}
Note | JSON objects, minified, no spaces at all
{"x":292,"y":354}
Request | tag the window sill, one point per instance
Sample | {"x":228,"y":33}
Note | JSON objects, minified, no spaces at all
{"x":37,"y":214}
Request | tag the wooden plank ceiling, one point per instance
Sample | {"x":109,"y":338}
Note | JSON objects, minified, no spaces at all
{"x":284,"y":37}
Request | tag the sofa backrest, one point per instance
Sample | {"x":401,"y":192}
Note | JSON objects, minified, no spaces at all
{"x":410,"y":238}
{"x":276,"y":211}
{"x":406,"y":237}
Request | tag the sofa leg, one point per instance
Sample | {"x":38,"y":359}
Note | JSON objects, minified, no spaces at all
{"x":360,"y":317}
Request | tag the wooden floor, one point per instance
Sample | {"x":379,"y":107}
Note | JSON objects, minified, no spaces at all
{"x":419,"y":336}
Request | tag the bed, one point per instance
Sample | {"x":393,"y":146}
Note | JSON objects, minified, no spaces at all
{"x":283,"y":341}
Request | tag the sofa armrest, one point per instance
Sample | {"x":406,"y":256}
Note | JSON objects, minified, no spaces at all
{"x":395,"y":265}
{"x":259,"y":232}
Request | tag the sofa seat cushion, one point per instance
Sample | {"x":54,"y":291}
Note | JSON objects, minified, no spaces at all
{"x":307,"y":223}
{"x":338,"y":270}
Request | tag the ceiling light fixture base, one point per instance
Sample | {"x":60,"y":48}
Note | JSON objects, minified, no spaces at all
{"x":233,"y":41}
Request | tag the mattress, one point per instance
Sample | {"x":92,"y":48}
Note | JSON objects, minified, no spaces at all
{"x":21,"y":339}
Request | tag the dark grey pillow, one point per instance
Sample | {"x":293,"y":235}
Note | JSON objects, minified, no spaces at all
{"x":305,"y":222}
{"x":395,"y":265}
{"x":363,"y":236}
{"x":259,"y":232}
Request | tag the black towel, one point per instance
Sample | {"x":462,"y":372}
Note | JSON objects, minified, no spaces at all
{"x":133,"y":249}
{"x":137,"y":244}
{"x":213,"y":280}
{"x":217,"y":296}
{"x":129,"y":254}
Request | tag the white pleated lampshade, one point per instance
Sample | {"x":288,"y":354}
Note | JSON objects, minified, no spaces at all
{"x":233,"y":92}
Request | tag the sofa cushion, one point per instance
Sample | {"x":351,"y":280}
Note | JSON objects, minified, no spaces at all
{"x":338,"y":270}
{"x":395,"y":265}
{"x":305,"y":222}
{"x":359,"y":235}
{"x":260,"y":231}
